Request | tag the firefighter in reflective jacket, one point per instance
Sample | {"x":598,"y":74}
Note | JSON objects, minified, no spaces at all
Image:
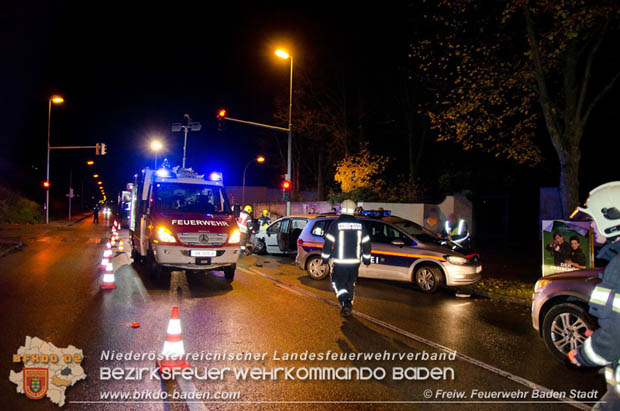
{"x":602,"y":348}
{"x":245,"y":216}
{"x":455,"y":230}
{"x":347,"y":243}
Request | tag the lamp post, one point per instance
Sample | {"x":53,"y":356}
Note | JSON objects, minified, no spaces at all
{"x":259,"y":159}
{"x":285,"y":55}
{"x":156,"y":147}
{"x":56,"y":99}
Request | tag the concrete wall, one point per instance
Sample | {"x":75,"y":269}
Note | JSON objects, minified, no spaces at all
{"x":416,"y":212}
{"x":261,"y":194}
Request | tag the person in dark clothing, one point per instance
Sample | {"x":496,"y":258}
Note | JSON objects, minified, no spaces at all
{"x":347,"y":243}
{"x":601,"y":347}
{"x":559,"y":249}
{"x":576,"y":257}
{"x":96,"y":210}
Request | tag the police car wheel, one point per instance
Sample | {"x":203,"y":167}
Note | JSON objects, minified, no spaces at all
{"x":564,"y":329}
{"x":316,"y":269}
{"x":428,"y":278}
{"x":260,"y":248}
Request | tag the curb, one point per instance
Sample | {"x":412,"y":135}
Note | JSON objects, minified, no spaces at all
{"x":499,"y":297}
{"x":16,"y":246}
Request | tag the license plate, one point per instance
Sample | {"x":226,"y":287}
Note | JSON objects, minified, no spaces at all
{"x":203,"y":260}
{"x":202,"y":253}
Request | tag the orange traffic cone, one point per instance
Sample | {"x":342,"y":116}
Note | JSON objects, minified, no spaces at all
{"x":173,"y":353}
{"x":108,"y":278}
{"x":113,"y":242}
{"x":104,"y":262}
{"x":120,"y":246}
{"x":107,"y":254}
{"x":108,"y":245}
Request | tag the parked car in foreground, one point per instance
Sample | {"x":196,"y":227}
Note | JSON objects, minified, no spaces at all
{"x":560,"y":310}
{"x":401,"y":250}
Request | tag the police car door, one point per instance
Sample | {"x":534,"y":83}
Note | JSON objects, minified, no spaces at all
{"x":271,"y":237}
{"x":389,"y":260}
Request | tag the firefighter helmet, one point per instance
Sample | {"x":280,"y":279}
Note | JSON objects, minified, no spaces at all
{"x":348,"y":207}
{"x":265,"y":212}
{"x":248,"y":209}
{"x":603,"y":205}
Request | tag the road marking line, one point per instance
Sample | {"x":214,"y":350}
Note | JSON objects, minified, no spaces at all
{"x":471,"y":360}
{"x":188,"y":387}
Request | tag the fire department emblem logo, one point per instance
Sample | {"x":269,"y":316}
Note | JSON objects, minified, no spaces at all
{"x":203,"y":238}
{"x":35,"y":382}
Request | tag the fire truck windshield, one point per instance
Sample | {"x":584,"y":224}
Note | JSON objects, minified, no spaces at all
{"x":191,"y":198}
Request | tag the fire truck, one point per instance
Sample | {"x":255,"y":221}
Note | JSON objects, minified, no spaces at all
{"x":180,"y":219}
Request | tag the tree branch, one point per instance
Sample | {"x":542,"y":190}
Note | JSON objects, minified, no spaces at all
{"x":588,"y":71}
{"x":600,"y":95}
{"x":544,"y":98}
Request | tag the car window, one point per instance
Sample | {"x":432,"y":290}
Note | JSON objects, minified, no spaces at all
{"x":285,"y":224}
{"x":275,"y":227}
{"x":298,"y":224}
{"x":320,"y":228}
{"x":385,"y":234}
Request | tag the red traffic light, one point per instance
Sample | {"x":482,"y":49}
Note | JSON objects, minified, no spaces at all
{"x":46,"y":184}
{"x":221,"y":113}
{"x":286,"y":185}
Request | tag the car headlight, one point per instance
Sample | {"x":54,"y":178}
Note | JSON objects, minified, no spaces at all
{"x":235,"y":237}
{"x":540,"y":284}
{"x":164,"y":235}
{"x":452,"y":259}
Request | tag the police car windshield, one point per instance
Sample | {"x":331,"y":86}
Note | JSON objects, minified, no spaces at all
{"x":191,"y":198}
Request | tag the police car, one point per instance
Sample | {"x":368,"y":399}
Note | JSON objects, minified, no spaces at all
{"x":401,"y":250}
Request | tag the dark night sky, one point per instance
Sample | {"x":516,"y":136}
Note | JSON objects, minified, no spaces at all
{"x":129,"y":70}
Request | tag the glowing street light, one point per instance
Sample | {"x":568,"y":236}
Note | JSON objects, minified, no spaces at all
{"x":95,"y":175}
{"x":156,"y":147}
{"x":90,"y":163}
{"x":259,"y":159}
{"x":283,"y":54}
{"x":56,"y":99}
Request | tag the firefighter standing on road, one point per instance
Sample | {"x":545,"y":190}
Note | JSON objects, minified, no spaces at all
{"x":264,"y":220}
{"x":244,"y":219}
{"x":348,"y":243}
{"x":602,"y":347}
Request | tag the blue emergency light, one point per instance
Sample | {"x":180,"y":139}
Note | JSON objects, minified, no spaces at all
{"x":216,"y":176}
{"x":162,"y":172}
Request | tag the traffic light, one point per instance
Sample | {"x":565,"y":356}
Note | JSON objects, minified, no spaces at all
{"x":221,"y":116}
{"x":103,"y":149}
{"x":286,"y":189}
{"x":46,"y":184}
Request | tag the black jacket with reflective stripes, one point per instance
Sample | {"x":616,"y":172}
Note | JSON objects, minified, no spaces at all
{"x":347,"y":242}
{"x":603,"y":347}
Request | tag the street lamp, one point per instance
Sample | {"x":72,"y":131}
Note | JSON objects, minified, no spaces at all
{"x":90,"y":163}
{"x":259,"y":159}
{"x":156,"y":147}
{"x":95,"y":175}
{"x":283,"y":54}
{"x":56,"y":99}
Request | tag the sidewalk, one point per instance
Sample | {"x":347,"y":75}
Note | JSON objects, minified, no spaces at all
{"x":508,"y":274}
{"x":13,"y":237}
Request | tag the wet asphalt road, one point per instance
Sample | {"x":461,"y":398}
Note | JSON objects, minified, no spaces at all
{"x":51,"y":290}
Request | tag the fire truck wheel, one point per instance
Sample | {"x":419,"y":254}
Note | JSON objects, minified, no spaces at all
{"x":229,"y":272}
{"x":155,"y":270}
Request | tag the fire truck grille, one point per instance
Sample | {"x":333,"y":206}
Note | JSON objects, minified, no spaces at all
{"x":202,"y":238}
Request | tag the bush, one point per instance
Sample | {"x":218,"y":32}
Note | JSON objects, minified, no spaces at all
{"x":16,"y":209}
